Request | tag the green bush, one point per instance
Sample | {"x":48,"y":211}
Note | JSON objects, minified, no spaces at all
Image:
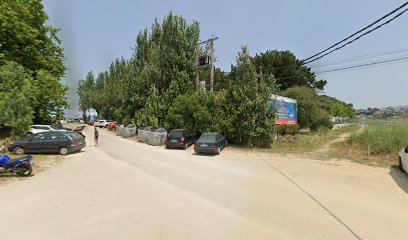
{"x":311,"y":113}
{"x":287,"y":129}
{"x":382,"y":138}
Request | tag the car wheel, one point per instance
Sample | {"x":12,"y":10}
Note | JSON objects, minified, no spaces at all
{"x":19,"y":150}
{"x":185,"y":146}
{"x":63,"y":151}
{"x":401,"y":168}
{"x":218,"y":150}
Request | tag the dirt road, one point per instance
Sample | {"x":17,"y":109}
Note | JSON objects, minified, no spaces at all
{"x":123,"y":189}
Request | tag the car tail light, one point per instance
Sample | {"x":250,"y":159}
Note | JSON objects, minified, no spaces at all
{"x":73,"y":142}
{"x":213,"y":146}
{"x":182,"y":139}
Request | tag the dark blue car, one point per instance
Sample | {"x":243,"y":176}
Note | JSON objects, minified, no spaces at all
{"x":210,"y":143}
{"x":49,"y":142}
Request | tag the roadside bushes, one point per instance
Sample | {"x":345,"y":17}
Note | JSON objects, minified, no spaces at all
{"x":285,"y":129}
{"x":382,"y":138}
{"x":198,"y":112}
{"x":240,"y":111}
{"x":311,"y":113}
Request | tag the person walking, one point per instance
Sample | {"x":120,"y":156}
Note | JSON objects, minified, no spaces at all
{"x":96,"y":135}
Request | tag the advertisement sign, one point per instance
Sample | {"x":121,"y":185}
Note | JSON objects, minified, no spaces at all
{"x":285,"y":109}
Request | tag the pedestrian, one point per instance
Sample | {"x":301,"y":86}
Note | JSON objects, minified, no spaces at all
{"x":96,"y":135}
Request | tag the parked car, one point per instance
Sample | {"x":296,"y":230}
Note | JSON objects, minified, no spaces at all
{"x":49,"y":142}
{"x":46,"y":128}
{"x":112,"y":126}
{"x":210,"y":143}
{"x":403,"y":159}
{"x":59,"y":127}
{"x":91,"y":122}
{"x":72,"y":120}
{"x":102,"y":123}
{"x":180,"y":138}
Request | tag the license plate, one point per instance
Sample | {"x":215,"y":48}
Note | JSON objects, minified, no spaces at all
{"x":173,"y":140}
{"x":203,"y":145}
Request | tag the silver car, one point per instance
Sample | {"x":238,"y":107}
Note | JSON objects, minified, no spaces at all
{"x":403,"y":159}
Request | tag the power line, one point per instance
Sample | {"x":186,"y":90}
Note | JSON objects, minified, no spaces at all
{"x":351,"y":67}
{"x":365,"y":65}
{"x":351,"y":59}
{"x":361,"y":57}
{"x":351,"y":41}
{"x":307,"y":60}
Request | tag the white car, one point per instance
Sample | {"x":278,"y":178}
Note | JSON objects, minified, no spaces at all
{"x":102,"y":123}
{"x":403,"y":159}
{"x":46,"y":128}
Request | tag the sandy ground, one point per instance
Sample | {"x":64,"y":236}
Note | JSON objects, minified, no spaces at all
{"x":123,"y":189}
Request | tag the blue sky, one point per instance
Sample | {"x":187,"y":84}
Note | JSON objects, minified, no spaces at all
{"x":94,"y":33}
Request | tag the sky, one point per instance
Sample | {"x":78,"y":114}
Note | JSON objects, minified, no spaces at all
{"x":95,"y":32}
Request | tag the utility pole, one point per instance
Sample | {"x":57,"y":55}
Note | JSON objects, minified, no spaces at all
{"x":197,"y":67}
{"x":211,"y":65}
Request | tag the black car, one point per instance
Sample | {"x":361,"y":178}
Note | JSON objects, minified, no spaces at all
{"x":49,"y":142}
{"x":180,"y":138}
{"x":210,"y":143}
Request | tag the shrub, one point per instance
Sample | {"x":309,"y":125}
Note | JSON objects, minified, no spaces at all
{"x":287,"y":129}
{"x":311,"y":114}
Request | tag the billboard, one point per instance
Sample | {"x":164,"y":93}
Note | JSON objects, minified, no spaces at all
{"x":285,"y":108}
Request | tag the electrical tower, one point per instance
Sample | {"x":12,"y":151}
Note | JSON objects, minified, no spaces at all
{"x":203,"y":61}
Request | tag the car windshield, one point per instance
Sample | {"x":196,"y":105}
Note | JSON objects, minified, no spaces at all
{"x":207,"y":137}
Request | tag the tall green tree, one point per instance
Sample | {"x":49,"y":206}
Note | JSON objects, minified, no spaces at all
{"x":337,"y":108}
{"x":15,"y":103}
{"x":27,"y":40}
{"x":248,"y":96}
{"x":288,"y":70}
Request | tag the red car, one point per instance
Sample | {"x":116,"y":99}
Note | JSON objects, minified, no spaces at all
{"x":112,"y":126}
{"x":91,"y":123}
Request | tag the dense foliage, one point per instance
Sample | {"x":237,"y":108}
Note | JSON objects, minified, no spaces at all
{"x":311,"y":113}
{"x":31,"y":65}
{"x":156,"y":87}
{"x":287,"y":69}
{"x":337,"y":108}
{"x":161,"y":69}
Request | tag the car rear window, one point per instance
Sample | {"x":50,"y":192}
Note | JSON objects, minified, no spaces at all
{"x":175,"y":133}
{"x":74,"y":135}
{"x":207,"y":137}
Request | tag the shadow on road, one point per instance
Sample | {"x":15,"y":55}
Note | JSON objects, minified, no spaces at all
{"x":400,"y":178}
{"x":210,"y":155}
